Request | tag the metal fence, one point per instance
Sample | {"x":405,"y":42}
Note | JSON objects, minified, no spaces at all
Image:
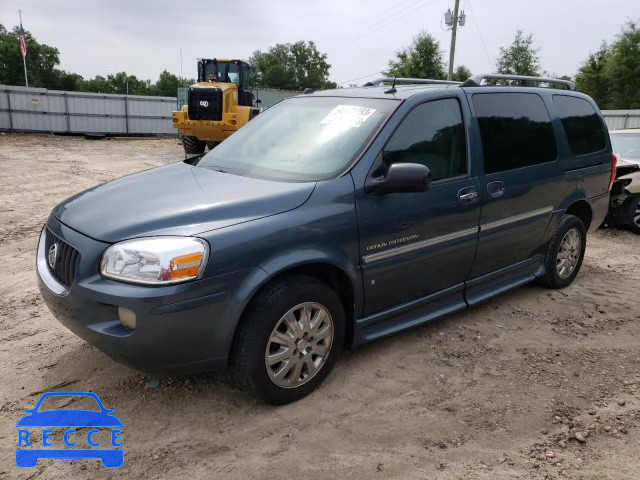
{"x":42,"y":110}
{"x":620,"y":119}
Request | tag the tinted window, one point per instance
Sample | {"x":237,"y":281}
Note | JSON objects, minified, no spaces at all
{"x":516,"y":130}
{"x":432,"y":135}
{"x":581,"y":123}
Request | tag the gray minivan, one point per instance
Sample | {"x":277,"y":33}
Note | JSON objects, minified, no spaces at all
{"x":333,"y":219}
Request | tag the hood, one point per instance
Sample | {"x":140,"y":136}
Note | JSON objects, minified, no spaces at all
{"x":176,"y":199}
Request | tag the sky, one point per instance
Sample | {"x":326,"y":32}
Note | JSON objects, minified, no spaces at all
{"x":359,"y":36}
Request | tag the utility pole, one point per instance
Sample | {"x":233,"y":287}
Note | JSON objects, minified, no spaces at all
{"x":181,"y":74}
{"x":453,"y":21}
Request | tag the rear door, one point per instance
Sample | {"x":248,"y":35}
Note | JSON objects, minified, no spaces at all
{"x":521,"y":184}
{"x":420,"y":246}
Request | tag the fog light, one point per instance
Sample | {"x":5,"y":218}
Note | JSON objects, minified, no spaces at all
{"x":127,"y":318}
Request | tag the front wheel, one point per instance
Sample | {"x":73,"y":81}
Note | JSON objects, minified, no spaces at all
{"x":565,"y":253}
{"x":289,"y":339}
{"x":192,"y":144}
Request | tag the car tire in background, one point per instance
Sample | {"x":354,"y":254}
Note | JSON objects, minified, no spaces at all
{"x":564,"y":253}
{"x":193,"y":145}
{"x":631,"y":214}
{"x":288,"y":339}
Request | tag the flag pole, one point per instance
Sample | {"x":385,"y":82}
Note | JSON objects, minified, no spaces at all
{"x":24,"y":58}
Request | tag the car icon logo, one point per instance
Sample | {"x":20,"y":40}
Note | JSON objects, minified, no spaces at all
{"x":74,"y":422}
{"x":52,"y":255}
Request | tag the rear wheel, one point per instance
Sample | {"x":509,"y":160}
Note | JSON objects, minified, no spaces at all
{"x":289,"y":339}
{"x":192,"y":144}
{"x":631,"y":214}
{"x":565,"y":253}
{"x":212,"y":145}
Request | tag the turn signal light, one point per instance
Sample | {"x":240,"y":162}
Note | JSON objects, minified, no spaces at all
{"x":185,"y":266}
{"x":233,"y":122}
{"x":614,"y":164}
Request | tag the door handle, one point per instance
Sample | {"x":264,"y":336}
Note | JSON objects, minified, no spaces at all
{"x":495,"y":189}
{"x":467,"y":195}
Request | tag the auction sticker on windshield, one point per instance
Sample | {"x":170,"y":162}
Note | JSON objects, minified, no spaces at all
{"x":348,"y":116}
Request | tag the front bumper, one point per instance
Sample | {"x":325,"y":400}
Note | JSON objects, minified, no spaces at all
{"x":185,"y":327}
{"x":211,"y":130}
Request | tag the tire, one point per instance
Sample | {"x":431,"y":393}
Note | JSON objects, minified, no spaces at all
{"x":193,"y":145}
{"x":631,"y":214}
{"x":212,"y":145}
{"x":554,"y":276}
{"x":254,"y":339}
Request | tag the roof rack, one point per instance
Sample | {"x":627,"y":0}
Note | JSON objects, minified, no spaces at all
{"x":476,"y":80}
{"x":409,"y":81}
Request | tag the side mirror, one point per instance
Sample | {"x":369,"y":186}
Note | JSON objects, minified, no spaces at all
{"x":400,"y":178}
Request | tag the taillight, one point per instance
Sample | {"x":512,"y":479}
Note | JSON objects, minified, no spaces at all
{"x":614,"y":164}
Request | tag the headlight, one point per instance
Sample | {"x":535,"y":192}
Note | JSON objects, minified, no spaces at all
{"x":156,"y":260}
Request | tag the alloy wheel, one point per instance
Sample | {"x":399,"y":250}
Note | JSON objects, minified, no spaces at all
{"x":299,"y":345}
{"x":569,"y":253}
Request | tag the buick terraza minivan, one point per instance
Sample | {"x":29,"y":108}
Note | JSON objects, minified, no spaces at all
{"x":333,"y":219}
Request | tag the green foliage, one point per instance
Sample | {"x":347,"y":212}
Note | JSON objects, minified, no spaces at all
{"x":519,"y":58}
{"x":591,"y":78}
{"x":291,"y":66}
{"x":461,"y":74}
{"x":42,"y":61}
{"x":611,"y":76}
{"x":623,"y":69}
{"x":422,"y":59}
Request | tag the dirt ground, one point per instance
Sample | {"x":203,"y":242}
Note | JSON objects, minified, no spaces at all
{"x":488,"y":393}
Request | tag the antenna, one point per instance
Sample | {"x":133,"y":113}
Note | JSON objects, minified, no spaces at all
{"x":393,"y":86}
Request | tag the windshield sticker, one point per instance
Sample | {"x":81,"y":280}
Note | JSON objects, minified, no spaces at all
{"x":348,"y":116}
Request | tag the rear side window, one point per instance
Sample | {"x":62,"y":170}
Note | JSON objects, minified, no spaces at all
{"x":432,"y":135}
{"x":515,"y":129}
{"x":581,"y":123}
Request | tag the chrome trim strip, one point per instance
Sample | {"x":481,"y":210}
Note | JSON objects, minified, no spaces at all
{"x":412,"y":247}
{"x":515,"y":218}
{"x":43,"y":272}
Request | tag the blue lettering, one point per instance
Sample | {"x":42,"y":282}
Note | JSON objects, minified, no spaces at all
{"x":90,"y":434}
{"x":46,"y":437}
{"x":23,"y":436}
{"x":65,"y":438}
{"x":115,"y":435}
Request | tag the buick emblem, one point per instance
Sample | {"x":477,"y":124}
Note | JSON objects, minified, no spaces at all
{"x":53,"y":255}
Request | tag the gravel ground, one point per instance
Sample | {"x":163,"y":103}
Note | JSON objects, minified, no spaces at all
{"x":533,"y":384}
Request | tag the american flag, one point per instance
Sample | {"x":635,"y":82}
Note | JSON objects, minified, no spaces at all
{"x":23,"y":44}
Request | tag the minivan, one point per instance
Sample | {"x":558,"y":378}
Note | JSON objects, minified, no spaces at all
{"x":333,"y":219}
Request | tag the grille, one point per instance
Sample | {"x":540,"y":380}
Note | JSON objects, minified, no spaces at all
{"x":205,"y":103}
{"x":66,"y":263}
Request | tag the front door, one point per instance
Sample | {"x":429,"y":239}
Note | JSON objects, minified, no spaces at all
{"x":414,"y":245}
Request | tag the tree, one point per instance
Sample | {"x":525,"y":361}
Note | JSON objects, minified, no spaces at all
{"x":41,"y":60}
{"x":622,"y":68}
{"x":422,"y":59}
{"x":592,"y":76}
{"x":461,"y":74}
{"x":291,"y":66}
{"x":519,"y":58}
{"x":168,"y":83}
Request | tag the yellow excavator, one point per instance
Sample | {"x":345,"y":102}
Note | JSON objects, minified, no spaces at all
{"x":218,"y":105}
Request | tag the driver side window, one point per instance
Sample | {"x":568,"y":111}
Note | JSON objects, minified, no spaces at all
{"x":432,"y":135}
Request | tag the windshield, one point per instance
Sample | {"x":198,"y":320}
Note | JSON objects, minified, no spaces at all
{"x":224,"y":72}
{"x":626,"y":145}
{"x":301,"y":139}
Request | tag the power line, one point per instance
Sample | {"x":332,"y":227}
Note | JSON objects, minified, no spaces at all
{"x":360,"y":78}
{"x":364,"y":24}
{"x":473,"y":15}
{"x":387,"y":23}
